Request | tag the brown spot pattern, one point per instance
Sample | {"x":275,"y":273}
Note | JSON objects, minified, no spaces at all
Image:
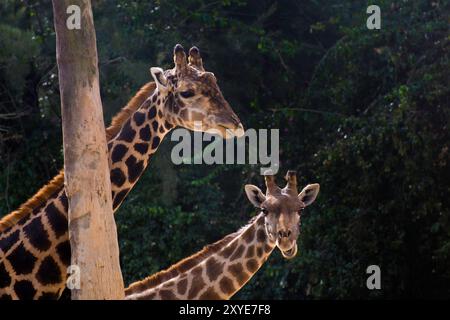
{"x":229,"y":249}
{"x":197,"y":283}
{"x":250,"y":251}
{"x":167,"y":295}
{"x":261,"y":235}
{"x":209,"y":294}
{"x":226,"y":285}
{"x":238,"y":253}
{"x":182,"y":286}
{"x":238,"y":272}
{"x":252,"y":265}
{"x":249,"y":234}
{"x":213,"y":268}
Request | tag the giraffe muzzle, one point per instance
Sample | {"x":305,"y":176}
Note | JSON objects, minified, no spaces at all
{"x":291,"y":253}
{"x":231,"y":130}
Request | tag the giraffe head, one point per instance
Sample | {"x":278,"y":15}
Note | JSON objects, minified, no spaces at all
{"x":193,"y":96}
{"x":283,"y":209}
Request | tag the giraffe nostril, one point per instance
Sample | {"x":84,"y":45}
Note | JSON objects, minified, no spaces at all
{"x":284,"y":234}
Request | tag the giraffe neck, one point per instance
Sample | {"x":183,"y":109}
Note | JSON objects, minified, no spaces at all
{"x":35,"y":252}
{"x":131,"y":150}
{"x":211,"y":275}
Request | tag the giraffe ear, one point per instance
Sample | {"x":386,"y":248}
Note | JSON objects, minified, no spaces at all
{"x":309,"y":193}
{"x":255,"y":195}
{"x":159,"y":77}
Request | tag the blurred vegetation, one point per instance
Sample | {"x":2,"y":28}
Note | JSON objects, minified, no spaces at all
{"x":363,"y":112}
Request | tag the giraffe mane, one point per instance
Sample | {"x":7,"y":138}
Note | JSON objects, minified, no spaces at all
{"x":186,"y":264}
{"x":57,"y":182}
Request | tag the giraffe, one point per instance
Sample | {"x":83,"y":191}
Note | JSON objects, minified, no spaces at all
{"x":219,"y":270}
{"x":34,"y":245}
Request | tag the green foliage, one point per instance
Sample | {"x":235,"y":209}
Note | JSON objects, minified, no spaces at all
{"x":363,"y":112}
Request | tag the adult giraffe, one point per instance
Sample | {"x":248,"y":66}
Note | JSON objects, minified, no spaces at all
{"x":34,"y":245}
{"x":221,"y":269}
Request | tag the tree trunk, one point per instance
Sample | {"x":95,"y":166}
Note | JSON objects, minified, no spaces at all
{"x":92,"y":229}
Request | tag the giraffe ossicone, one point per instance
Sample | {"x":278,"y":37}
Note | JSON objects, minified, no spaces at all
{"x":219,"y":270}
{"x":34,"y":244}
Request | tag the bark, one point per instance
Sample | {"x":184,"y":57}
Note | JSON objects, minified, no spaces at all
{"x":92,"y":229}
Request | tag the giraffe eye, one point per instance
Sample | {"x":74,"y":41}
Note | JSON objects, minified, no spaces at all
{"x":264,"y":211}
{"x":187,"y":94}
{"x":300,"y":210}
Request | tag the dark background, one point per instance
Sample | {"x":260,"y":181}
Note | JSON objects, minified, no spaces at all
{"x":363,"y":112}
